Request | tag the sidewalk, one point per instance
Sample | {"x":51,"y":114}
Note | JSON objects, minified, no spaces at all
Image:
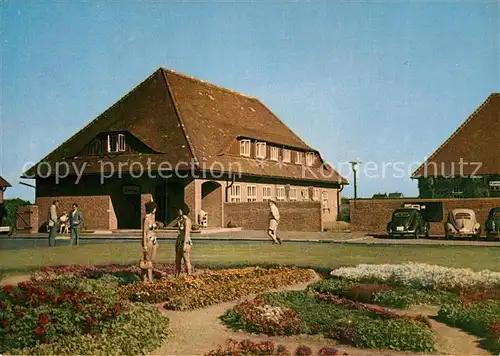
{"x":286,"y":236}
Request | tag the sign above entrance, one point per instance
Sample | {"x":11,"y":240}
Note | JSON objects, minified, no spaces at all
{"x":131,"y":189}
{"x":495,"y":183}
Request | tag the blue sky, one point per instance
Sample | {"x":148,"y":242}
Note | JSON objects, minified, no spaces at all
{"x":378,"y":81}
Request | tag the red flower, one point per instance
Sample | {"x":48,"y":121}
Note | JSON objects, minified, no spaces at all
{"x":116,"y":308}
{"x":7,"y":288}
{"x":39,"y":331}
{"x":5,"y":323}
{"x":43,"y":319}
{"x":78,"y":308}
{"x":23,"y":285}
{"x":90,"y":320}
{"x":249,"y":316}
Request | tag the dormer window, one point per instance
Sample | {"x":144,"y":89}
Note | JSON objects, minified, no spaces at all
{"x":287,"y":155}
{"x":245,"y":148}
{"x":274,"y":153}
{"x":260,"y":150}
{"x":299,"y":157}
{"x":116,"y":143}
{"x":309,"y":158}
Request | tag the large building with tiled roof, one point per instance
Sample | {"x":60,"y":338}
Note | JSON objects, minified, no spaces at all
{"x":176,"y":139}
{"x":467,"y":164}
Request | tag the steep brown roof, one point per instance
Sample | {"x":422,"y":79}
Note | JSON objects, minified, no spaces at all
{"x":4,"y":183}
{"x":183,"y":119}
{"x":476,"y":143}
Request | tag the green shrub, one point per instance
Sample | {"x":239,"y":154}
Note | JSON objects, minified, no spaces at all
{"x":137,"y":331}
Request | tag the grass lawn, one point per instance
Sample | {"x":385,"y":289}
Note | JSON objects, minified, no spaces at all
{"x":224,"y":254}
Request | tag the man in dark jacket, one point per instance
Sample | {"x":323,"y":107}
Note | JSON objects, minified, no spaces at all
{"x":75,"y":221}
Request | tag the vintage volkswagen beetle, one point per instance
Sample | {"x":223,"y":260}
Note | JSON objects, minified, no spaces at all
{"x":492,"y":225}
{"x":462,"y":223}
{"x":408,"y":222}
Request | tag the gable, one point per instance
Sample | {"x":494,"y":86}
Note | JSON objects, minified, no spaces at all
{"x":474,"y":146}
{"x":99,"y":145}
{"x":147,"y":113}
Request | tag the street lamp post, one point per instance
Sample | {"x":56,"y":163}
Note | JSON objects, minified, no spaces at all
{"x":354,"y":165}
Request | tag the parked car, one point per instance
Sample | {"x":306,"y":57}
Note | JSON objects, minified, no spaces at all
{"x":408,"y":222}
{"x":462,"y":223}
{"x":492,"y":225}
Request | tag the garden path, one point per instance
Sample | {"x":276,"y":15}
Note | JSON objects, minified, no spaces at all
{"x":14,"y":278}
{"x":197,"y":332}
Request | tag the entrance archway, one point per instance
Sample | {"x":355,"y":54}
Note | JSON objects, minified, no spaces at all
{"x":211,"y":202}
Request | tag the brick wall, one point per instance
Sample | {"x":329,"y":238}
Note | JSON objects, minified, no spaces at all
{"x":372,"y":215}
{"x":211,"y":203}
{"x":30,"y":216}
{"x":97,"y":210}
{"x":294,"y":216}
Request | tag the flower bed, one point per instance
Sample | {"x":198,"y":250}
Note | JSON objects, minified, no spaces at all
{"x":480,"y":318}
{"x":47,"y":314}
{"x":125,"y":273}
{"x":258,"y":317}
{"x":267,"y":348}
{"x":372,"y":309}
{"x":215,"y":286}
{"x":382,"y":294}
{"x":359,"y":326}
{"x":423,"y":276}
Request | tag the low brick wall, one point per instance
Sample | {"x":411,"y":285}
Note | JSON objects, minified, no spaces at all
{"x":294,"y":216}
{"x":97,"y":210}
{"x":372,"y":215}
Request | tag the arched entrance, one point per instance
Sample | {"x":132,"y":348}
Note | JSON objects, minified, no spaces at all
{"x":211,"y":202}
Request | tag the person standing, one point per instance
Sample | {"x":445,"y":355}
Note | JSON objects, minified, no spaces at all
{"x":183,"y":243}
{"x":75,"y":221}
{"x":274,"y":218}
{"x":52,"y":222}
{"x":149,"y":242}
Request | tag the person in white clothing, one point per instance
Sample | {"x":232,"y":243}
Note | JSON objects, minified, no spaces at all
{"x":274,"y":218}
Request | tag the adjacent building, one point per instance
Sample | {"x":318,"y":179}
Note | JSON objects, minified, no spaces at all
{"x":467,"y":164}
{"x":177,"y":139}
{"x":3,"y":186}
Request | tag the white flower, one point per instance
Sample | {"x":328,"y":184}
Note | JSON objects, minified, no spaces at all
{"x":421,"y":275}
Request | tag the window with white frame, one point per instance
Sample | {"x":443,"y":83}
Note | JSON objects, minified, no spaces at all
{"x":315,"y":196}
{"x":260,"y":149}
{"x":245,"y":148}
{"x":299,"y":157}
{"x":116,"y":143}
{"x":325,"y":200}
{"x":292,"y":194}
{"x":274,"y":153}
{"x":266,"y":193}
{"x":280,"y":193}
{"x":235,"y":193}
{"x":251,"y":193}
{"x":287,"y":155}
{"x":309,"y":158}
